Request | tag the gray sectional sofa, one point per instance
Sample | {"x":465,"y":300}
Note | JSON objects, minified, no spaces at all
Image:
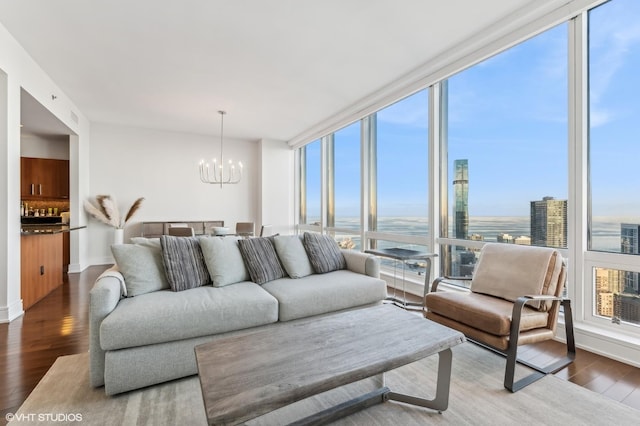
{"x":143,"y":333}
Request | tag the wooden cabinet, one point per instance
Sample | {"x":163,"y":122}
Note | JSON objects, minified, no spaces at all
{"x":44,"y":178}
{"x":40,"y":266}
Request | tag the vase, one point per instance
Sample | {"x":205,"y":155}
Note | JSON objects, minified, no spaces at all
{"x":118,"y":236}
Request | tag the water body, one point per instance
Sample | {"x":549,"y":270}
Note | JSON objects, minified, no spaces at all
{"x":605,"y":234}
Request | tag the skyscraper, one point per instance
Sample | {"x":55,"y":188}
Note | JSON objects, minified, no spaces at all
{"x":549,"y":222}
{"x":461,"y":193}
{"x":465,"y":259}
{"x":630,"y":243}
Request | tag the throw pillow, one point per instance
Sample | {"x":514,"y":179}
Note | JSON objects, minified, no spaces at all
{"x":142,"y":268}
{"x":293,"y":255}
{"x":183,"y":262}
{"x":324,"y":253}
{"x":224,"y":260}
{"x":261,"y":259}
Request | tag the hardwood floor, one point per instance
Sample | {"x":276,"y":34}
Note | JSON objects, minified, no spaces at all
{"x":58,"y":325}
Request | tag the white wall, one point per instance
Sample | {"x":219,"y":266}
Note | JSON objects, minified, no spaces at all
{"x":277,"y":186}
{"x":37,"y":146}
{"x":18,"y":71}
{"x":162,"y":166}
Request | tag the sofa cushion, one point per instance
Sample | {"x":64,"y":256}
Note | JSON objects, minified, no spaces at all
{"x":293,"y":256}
{"x":261,"y":259}
{"x":224,"y":260}
{"x":142,"y":268}
{"x":487,"y":313}
{"x":183,"y":262}
{"x":165,"y":316}
{"x":324,"y":253}
{"x":320,"y":294}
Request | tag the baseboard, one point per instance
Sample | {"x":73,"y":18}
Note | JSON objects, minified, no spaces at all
{"x":76,"y":268}
{"x":106,"y":260}
{"x":11,"y":312}
{"x":589,"y":338}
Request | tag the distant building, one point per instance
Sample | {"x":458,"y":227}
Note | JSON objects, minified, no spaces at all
{"x":627,"y":308}
{"x":604,"y":304}
{"x":461,"y":194}
{"x":523,"y":240}
{"x":630,"y":244}
{"x":461,"y":217}
{"x":466,"y":263}
{"x":549,"y":222}
{"x":607,"y":283}
{"x":505,"y":238}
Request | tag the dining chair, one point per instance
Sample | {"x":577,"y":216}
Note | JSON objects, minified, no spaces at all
{"x":181,"y":231}
{"x":245,"y":229}
{"x":265,"y":230}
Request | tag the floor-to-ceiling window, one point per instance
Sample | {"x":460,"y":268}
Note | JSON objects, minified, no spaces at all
{"x":402,"y":166}
{"x":400,"y":170}
{"x":507,"y":147}
{"x":614,"y":153}
{"x":534,"y":145}
{"x":311,"y":184}
{"x":344,"y":199}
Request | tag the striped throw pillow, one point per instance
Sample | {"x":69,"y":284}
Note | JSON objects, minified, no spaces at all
{"x":183,"y":262}
{"x":261,"y":259}
{"x":324,"y":253}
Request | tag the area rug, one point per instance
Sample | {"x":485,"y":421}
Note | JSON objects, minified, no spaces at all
{"x":477,"y":397}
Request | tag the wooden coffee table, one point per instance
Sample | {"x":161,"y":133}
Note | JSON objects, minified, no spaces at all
{"x":252,"y":373}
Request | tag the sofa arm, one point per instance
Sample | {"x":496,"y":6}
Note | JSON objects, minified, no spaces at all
{"x":362,"y":263}
{"x":103,"y":299}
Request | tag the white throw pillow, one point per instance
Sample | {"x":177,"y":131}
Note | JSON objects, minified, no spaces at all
{"x":224,"y":260}
{"x":293,"y":256}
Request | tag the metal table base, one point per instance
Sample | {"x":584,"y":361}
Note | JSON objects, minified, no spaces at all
{"x":402,"y":255}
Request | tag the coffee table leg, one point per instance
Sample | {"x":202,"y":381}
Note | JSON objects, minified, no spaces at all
{"x":379,"y":380}
{"x":441,"y":400}
{"x":439,"y":403}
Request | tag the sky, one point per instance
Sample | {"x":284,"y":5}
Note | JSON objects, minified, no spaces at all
{"x":509,"y":117}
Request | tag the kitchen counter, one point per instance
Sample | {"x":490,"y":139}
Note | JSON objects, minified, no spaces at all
{"x":44,"y":259}
{"x":54,"y":228}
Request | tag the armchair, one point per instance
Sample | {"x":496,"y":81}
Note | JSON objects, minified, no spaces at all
{"x":514,"y":299}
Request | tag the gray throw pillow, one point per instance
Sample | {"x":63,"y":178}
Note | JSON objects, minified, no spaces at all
{"x":292,"y":255}
{"x":183,"y":262}
{"x":142,"y":268}
{"x":324,"y":253}
{"x":224,"y":260}
{"x":261,"y":259}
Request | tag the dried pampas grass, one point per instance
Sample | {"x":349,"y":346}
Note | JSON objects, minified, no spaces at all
{"x":107,"y":210}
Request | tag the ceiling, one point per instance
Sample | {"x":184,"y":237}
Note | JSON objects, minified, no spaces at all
{"x":278,"y":67}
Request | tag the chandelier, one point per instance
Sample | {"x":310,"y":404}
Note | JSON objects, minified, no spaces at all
{"x":217,"y":173}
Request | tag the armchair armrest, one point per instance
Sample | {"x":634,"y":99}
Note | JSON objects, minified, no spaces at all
{"x":434,"y":285}
{"x":542,"y":297}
